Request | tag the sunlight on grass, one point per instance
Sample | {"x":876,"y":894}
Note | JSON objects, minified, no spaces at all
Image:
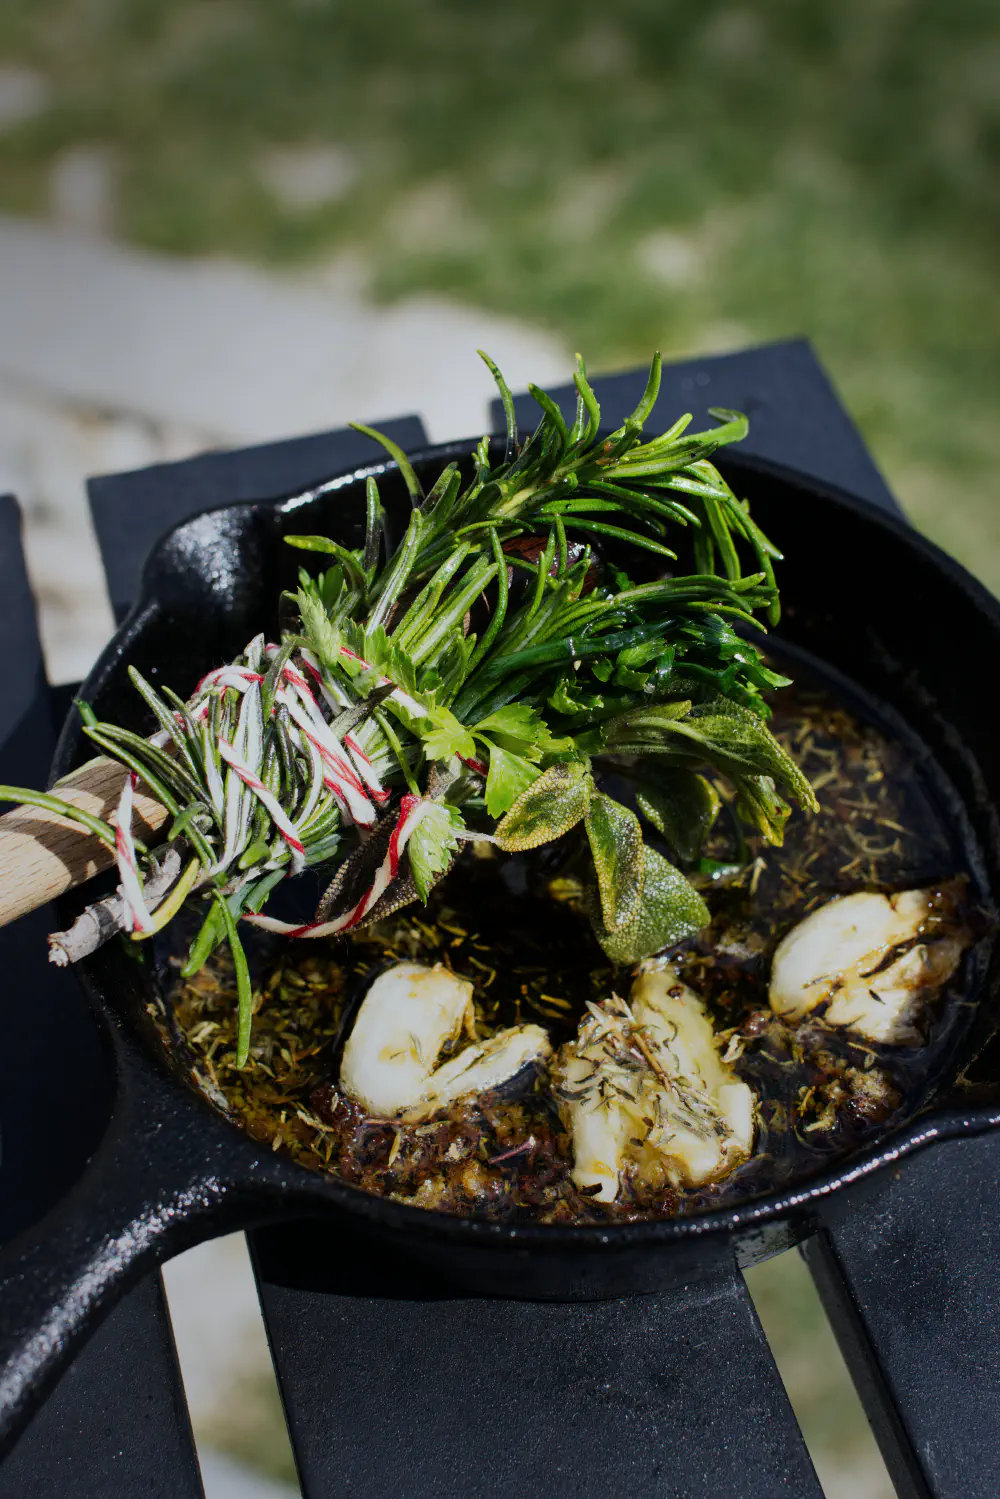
{"x":249,"y":1426}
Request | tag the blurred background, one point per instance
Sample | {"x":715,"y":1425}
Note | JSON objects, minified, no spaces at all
{"x":228,"y":220}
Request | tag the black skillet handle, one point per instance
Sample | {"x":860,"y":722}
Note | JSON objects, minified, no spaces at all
{"x":164,"y":1177}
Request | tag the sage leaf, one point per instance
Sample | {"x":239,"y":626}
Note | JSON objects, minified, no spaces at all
{"x":739,"y":742}
{"x":729,"y":737}
{"x":644,"y":728}
{"x":681,"y":805}
{"x":616,"y":844}
{"x":670,"y":911}
{"x":759,"y":804}
{"x":552,"y":805}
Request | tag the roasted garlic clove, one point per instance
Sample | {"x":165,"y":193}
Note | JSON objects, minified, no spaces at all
{"x":407,"y":1017}
{"x":645,"y":1093}
{"x":592,"y":1110}
{"x":676,"y":1016}
{"x":871,"y":960}
{"x":483,"y":1065}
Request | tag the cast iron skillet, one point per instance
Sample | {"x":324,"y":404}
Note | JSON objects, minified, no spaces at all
{"x":861,"y":592}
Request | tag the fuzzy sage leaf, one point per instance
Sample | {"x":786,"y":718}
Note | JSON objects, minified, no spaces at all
{"x":671,"y":910}
{"x":616,"y":845}
{"x":681,"y":805}
{"x":552,"y":805}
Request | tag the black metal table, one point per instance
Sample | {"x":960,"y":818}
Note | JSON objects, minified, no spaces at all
{"x":429,"y":1392}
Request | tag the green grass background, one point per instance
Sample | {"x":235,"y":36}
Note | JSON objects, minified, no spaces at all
{"x":643,"y":174}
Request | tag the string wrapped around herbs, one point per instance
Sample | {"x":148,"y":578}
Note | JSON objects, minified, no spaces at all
{"x":384,"y":730}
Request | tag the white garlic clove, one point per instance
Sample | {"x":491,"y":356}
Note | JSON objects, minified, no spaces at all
{"x":843,"y":956}
{"x":408,"y":1015}
{"x":482,"y":1066}
{"x":645,"y":1093}
{"x":719,"y":1107}
{"x":597,"y":1122}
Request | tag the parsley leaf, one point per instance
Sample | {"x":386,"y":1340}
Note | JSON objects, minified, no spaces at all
{"x":516,"y":721}
{"x":432,"y":846}
{"x":324,"y":638}
{"x":522,"y":730}
{"x":447,"y":736}
{"x":382,"y":654}
{"x":509,"y":775}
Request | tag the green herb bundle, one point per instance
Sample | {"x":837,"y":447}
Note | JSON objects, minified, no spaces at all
{"x":479,"y":681}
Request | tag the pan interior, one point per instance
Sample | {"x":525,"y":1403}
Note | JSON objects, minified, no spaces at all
{"x":513,"y":929}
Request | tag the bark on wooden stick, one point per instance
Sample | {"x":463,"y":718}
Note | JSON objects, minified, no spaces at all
{"x":43,"y":855}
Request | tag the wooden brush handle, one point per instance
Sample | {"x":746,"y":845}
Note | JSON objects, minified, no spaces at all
{"x":42,"y":855}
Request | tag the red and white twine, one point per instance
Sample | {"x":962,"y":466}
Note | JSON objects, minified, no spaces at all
{"x":342,"y":767}
{"x":137,"y":915}
{"x":279,"y":817}
{"x":412,"y":810}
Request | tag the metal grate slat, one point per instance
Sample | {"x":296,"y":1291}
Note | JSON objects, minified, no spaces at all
{"x":432,"y":1391}
{"x":908,"y":1278}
